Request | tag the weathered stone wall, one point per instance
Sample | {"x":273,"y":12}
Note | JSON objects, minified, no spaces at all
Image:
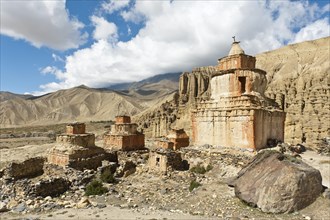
{"x":84,"y":140}
{"x":224,"y":128}
{"x":124,"y":142}
{"x":124,"y":136}
{"x":49,"y":187}
{"x":179,"y":142}
{"x":27,"y":169}
{"x":165,"y":144}
{"x":77,"y":157}
{"x":161,"y":161}
{"x":123,"y":119}
{"x":124,"y":128}
{"x":238,"y":82}
{"x":91,"y":163}
{"x":157,"y":162}
{"x":76,"y":128}
{"x":240,"y":61}
{"x":58,"y":158}
{"x":268,"y":125}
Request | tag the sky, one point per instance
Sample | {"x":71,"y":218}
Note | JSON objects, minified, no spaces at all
{"x":59,"y":44}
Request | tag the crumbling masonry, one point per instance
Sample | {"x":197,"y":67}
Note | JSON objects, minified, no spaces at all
{"x":124,"y":136}
{"x":76,"y":149}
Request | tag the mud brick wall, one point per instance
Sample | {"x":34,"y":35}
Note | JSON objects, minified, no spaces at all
{"x":161,"y":161}
{"x":87,"y":163}
{"x":58,"y":158}
{"x":77,"y":128}
{"x":50,"y":187}
{"x":179,"y":142}
{"x":84,"y":140}
{"x":27,"y":169}
{"x":123,"y":119}
{"x":165,"y":144}
{"x":124,"y":142}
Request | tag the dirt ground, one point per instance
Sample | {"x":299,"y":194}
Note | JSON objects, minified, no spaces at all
{"x":145,"y":196}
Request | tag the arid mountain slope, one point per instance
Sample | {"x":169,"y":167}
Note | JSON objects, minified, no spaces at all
{"x":76,"y":104}
{"x":4,"y":96}
{"x":151,"y":91}
{"x":302,"y":73}
{"x":86,"y":104}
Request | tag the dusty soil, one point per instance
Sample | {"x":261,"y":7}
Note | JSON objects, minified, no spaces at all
{"x":146,"y":195}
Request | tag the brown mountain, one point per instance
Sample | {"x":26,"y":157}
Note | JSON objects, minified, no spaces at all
{"x":4,"y":96}
{"x":86,"y":104}
{"x":302,"y":73}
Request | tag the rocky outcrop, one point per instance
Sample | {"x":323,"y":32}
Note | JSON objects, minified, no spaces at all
{"x":193,"y":87}
{"x":301,"y":73}
{"x":29,"y":168}
{"x":157,"y":122}
{"x":278,"y":183}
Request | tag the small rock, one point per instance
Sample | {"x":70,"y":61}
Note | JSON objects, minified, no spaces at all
{"x":326,"y":193}
{"x":12,"y":203}
{"x":20,"y":208}
{"x":307,"y":217}
{"x":94,"y":204}
{"x":3,"y":207}
{"x":101,"y":206}
{"x":29,"y":202}
{"x":83,"y":203}
{"x":163,"y":191}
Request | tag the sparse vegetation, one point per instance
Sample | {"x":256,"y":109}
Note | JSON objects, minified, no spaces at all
{"x":194,"y":184}
{"x":209,"y":167}
{"x":198,"y":169}
{"x":107,"y":176}
{"x":95,"y":188}
{"x":201,"y":169}
{"x":292,"y":159}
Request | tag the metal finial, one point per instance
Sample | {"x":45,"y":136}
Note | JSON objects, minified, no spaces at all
{"x":234,"y":38}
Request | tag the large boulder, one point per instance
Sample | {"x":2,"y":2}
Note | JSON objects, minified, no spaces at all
{"x":278,"y":183}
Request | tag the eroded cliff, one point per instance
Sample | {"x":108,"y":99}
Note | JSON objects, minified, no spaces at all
{"x":301,"y":73}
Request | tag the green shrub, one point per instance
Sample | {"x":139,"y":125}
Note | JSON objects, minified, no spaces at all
{"x":107,"y":176}
{"x":201,"y":169}
{"x":292,"y":159}
{"x":198,"y":169}
{"x":194,"y":184}
{"x":209,"y":167}
{"x":95,"y":188}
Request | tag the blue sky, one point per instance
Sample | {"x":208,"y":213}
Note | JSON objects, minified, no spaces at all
{"x":52,"y":45}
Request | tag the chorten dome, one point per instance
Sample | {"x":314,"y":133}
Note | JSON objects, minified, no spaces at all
{"x":235,"y":49}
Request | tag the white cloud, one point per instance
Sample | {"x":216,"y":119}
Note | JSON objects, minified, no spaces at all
{"x":57,"y":58}
{"x":42,"y":23}
{"x":180,"y":35}
{"x":53,"y":70}
{"x":317,"y":29}
{"x":104,"y":30}
{"x":114,"y":5}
